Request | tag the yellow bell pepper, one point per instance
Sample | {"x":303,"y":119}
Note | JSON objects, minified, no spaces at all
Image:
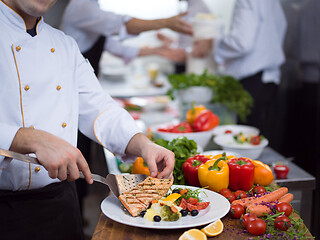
{"x":226,"y":158}
{"x":172,"y":197}
{"x":262,"y":173}
{"x":140,"y":167}
{"x":193,"y":112}
{"x":214,"y":174}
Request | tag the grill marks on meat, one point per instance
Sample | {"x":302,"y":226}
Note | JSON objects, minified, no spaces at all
{"x":139,"y":198}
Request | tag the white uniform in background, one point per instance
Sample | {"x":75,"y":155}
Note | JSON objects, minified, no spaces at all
{"x":86,"y":22}
{"x":48,"y":85}
{"x":255,"y":40}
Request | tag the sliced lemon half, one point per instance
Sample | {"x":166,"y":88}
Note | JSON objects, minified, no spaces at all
{"x":193,"y":234}
{"x":213,"y":229}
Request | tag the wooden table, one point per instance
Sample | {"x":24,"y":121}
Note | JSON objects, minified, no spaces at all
{"x":108,"y":229}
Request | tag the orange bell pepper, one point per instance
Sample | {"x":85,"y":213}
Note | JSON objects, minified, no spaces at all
{"x":193,"y":112}
{"x":262,"y":173}
{"x":140,"y":167}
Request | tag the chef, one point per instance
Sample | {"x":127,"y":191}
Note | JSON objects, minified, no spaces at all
{"x":253,"y":53}
{"x":48,"y":91}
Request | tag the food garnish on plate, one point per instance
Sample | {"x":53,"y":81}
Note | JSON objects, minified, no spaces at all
{"x":139,"y":198}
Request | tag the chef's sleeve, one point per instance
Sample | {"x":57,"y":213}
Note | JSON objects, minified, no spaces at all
{"x":100,"y":117}
{"x":7,"y":134}
{"x":243,"y":32}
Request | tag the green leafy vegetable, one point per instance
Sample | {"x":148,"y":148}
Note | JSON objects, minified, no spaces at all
{"x":227,"y":90}
{"x":183,"y":148}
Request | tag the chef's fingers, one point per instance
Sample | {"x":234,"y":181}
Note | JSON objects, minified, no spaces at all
{"x":152,"y":165}
{"x":84,"y":168}
{"x":62,"y":173}
{"x":73,"y":172}
{"x":169,"y":165}
{"x":52,"y":172}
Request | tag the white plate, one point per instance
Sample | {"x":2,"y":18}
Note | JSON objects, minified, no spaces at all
{"x":235,"y":129}
{"x":219,"y":206}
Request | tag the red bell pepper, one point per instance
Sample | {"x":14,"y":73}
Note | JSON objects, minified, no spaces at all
{"x":190,"y":169}
{"x":241,"y":174}
{"x":205,"y":121}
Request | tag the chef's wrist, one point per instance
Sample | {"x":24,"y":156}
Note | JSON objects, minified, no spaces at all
{"x":25,"y":141}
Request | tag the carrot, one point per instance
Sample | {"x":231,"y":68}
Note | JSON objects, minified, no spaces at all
{"x":286,"y":198}
{"x":244,"y":201}
{"x":174,"y":209}
{"x":183,"y":191}
{"x":275,"y":195}
{"x":259,"y":209}
{"x":154,"y":201}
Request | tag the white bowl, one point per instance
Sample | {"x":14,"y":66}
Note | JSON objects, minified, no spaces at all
{"x":235,"y":129}
{"x":226,"y":142}
{"x":196,"y":94}
{"x":201,"y":138}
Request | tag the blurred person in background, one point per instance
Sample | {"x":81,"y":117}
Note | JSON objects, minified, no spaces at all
{"x":95,"y":31}
{"x":253,"y":53}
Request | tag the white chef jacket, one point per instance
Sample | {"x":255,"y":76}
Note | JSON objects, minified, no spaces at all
{"x":86,"y":22}
{"x":47,"y":84}
{"x":255,"y":40}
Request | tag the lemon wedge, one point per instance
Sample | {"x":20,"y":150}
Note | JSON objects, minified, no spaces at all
{"x":172,"y":197}
{"x":213,"y":229}
{"x":193,"y":234}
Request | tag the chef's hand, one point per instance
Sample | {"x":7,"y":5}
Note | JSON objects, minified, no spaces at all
{"x":60,"y":158}
{"x":174,"y":54}
{"x":201,"y":47}
{"x":160,"y":160}
{"x":176,"y":24}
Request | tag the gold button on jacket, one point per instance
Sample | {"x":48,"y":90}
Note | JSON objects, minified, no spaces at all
{"x":53,"y":50}
{"x":64,"y":125}
{"x":37,"y":169}
{"x":26,"y":87}
{"x":18,"y":48}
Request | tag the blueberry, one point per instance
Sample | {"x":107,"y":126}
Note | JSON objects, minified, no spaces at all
{"x":184,"y":212}
{"x":143,"y":213}
{"x":194,"y":212}
{"x":176,"y":191}
{"x":157,"y":218}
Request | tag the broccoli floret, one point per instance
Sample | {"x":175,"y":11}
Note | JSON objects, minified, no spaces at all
{"x":168,"y":215}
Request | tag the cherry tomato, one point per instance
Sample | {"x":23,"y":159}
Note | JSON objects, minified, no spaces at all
{"x":240,"y":194}
{"x":227,"y":132}
{"x":192,"y":201}
{"x":284,"y":207}
{"x":281,"y":171}
{"x":236,"y":210}
{"x":258,"y":190}
{"x":246,"y":218}
{"x":224,"y":191}
{"x":255,"y":140}
{"x":282,"y":222}
{"x":230,"y":197}
{"x":202,"y":205}
{"x":257,"y":226}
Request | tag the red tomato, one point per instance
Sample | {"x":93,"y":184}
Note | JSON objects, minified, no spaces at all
{"x":230,"y":197}
{"x":240,"y":194}
{"x":183,"y":203}
{"x":257,"y":226}
{"x":255,"y":140}
{"x":236,"y":210}
{"x":224,"y":191}
{"x":182,"y":127}
{"x":227,"y":132}
{"x":202,"y":205}
{"x":205,"y":121}
{"x":284,"y":207}
{"x":246,"y":218}
{"x":281,"y":171}
{"x":258,"y":190}
{"x":192,"y":201}
{"x":191,"y":207}
{"x":282,"y":222}
{"x":164,"y":129}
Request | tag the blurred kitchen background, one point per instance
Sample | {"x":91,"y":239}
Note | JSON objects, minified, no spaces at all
{"x":297,"y":125}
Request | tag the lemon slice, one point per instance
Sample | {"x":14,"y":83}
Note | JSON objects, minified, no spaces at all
{"x":193,"y":234}
{"x":172,"y":197}
{"x":213,"y":229}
